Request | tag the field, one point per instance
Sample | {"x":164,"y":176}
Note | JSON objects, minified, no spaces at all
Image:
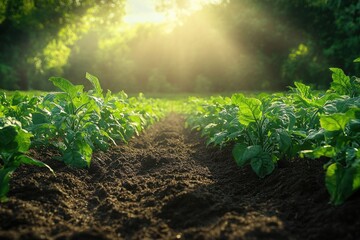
{"x":166,"y":184}
{"x":213,"y":119}
{"x":79,"y":164}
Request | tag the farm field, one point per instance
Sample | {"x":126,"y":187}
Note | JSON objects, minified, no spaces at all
{"x":166,"y":184}
{"x":206,"y":168}
{"x":179,"y":119}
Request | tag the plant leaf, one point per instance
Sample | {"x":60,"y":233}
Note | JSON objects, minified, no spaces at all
{"x":263,"y":165}
{"x":252,"y":152}
{"x":67,"y":86}
{"x":23,"y":140}
{"x":342,"y":182}
{"x":238,"y":152}
{"x":5,"y":174}
{"x":334,"y":122}
{"x":249,"y":109}
{"x":243,"y":154}
{"x":78,"y":155}
{"x":324,"y":151}
{"x":284,"y":140}
{"x":96,"y":84}
{"x":341,"y":83}
{"x":304,"y":90}
{"x":23,"y":159}
{"x":38,"y":118}
{"x":7,"y":136}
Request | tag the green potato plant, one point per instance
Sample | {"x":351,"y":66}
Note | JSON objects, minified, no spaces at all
{"x":15,"y":142}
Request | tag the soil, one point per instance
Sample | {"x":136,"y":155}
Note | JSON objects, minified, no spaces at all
{"x":166,"y":184}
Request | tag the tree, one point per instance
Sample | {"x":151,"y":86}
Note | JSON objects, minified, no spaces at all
{"x":36,"y":36}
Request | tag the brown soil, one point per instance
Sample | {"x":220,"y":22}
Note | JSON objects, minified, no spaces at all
{"x":166,"y":184}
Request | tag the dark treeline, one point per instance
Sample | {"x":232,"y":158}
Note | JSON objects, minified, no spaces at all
{"x":235,"y":45}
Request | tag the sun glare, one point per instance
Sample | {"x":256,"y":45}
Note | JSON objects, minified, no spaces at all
{"x":144,"y":11}
{"x":140,"y":11}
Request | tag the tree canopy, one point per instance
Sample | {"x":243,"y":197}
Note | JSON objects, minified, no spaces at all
{"x":224,"y":46}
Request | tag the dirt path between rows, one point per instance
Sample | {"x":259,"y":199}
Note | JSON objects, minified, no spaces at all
{"x":165,"y":184}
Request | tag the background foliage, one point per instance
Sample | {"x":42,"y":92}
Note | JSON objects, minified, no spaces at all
{"x":235,"y":45}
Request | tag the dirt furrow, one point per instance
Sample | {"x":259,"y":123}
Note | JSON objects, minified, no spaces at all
{"x":165,"y":184}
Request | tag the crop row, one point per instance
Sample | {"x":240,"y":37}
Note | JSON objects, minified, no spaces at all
{"x":269,"y":128}
{"x":74,"y":121}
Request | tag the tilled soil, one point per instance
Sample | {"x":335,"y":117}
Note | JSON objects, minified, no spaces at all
{"x":165,"y":184}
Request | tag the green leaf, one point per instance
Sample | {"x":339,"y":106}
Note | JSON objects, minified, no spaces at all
{"x":243,"y":154}
{"x":284,"y":140}
{"x":357,"y":60}
{"x":38,"y":118}
{"x":18,"y":98}
{"x":7,"y":136}
{"x":101,"y":144}
{"x":303,"y":89}
{"x":67,"y":86}
{"x":324,"y":151}
{"x":238,"y":152}
{"x":249,"y":109}
{"x":263,"y":165}
{"x":351,"y":155}
{"x":356,"y":178}
{"x":317,"y":135}
{"x":5,"y":174}
{"x":237,"y":98}
{"x":341,"y":83}
{"x":342,"y":182}
{"x":354,"y":125}
{"x":23,"y":159}
{"x":252,"y":152}
{"x":74,"y":158}
{"x":96,"y":84}
{"x":218,"y":138}
{"x":336,"y":121}
{"x":78,"y":155}
{"x":23,"y":140}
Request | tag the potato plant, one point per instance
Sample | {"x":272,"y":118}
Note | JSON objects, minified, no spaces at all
{"x":300,"y":123}
{"x":75,"y":121}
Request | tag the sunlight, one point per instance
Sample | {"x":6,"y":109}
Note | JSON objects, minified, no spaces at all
{"x":144,"y":11}
{"x":140,"y":11}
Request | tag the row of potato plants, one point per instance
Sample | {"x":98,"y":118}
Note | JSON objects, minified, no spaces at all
{"x":300,"y":123}
{"x":74,"y":121}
